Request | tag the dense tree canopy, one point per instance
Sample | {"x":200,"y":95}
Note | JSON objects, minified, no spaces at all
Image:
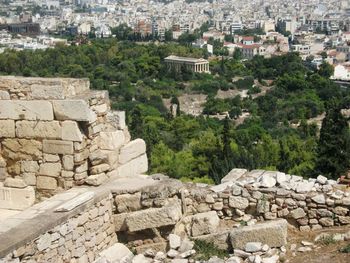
{"x":278,"y":133}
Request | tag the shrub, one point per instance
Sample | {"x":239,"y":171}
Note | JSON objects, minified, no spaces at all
{"x":326,"y":240}
{"x":206,"y":250}
{"x":345,"y":249}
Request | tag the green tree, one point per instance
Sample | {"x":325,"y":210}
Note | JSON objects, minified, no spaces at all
{"x":136,"y":123}
{"x":237,"y":54}
{"x":175,"y":100}
{"x":227,"y":152}
{"x":326,"y":70}
{"x":333,"y":146}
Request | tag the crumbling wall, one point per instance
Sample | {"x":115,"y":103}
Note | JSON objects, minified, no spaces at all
{"x":244,"y":198}
{"x":144,"y":210}
{"x":56,"y":134}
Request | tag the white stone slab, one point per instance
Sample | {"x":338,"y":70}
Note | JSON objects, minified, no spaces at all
{"x":26,"y":110}
{"x":75,"y":202}
{"x":16,"y":198}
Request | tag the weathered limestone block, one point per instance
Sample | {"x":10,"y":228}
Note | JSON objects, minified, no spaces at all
{"x":272,"y":233}
{"x":297,"y":213}
{"x":220,"y":239}
{"x":81,"y":157}
{"x":341,"y":210}
{"x":82,"y":168}
{"x":96,"y":179}
{"x":35,"y":110}
{"x":75,"y":202}
{"x":154,"y":217}
{"x":51,"y":158}
{"x":7,"y":128}
{"x":46,"y":183}
{"x":15,"y":183}
{"x":160,"y":246}
{"x":108,"y":157}
{"x":304,"y":187}
{"x":38,"y":129}
{"x":68,"y":162}
{"x":100,"y":109}
{"x":204,"y":223}
{"x":98,"y":157}
{"x":80,"y":176}
{"x":22,"y":149}
{"x":50,"y":169}
{"x":262,"y":206}
{"x":71,"y":131}
{"x":117,"y":117}
{"x":128,"y":202}
{"x":233,"y":175}
{"x":268,"y":179}
{"x":46,"y":92}
{"x":99,"y":168}
{"x":57,"y":147}
{"x":117,"y":253}
{"x":75,"y":86}
{"x":136,"y":166}
{"x":15,"y":198}
{"x":326,"y":221}
{"x":120,"y":222}
{"x":111,"y":140}
{"x":75,"y":110}
{"x":45,"y":88}
{"x":132,"y":150}
{"x":4,"y":95}
{"x":29,"y":178}
{"x":67,"y":174}
{"x":319,"y":199}
{"x":345,"y":220}
{"x":238,"y":202}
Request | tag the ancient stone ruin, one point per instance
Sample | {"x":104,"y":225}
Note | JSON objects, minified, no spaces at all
{"x":73,"y":186}
{"x":56,"y":134}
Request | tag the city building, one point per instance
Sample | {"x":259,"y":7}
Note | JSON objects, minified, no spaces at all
{"x":249,"y":51}
{"x":22,"y":28}
{"x":342,"y":72}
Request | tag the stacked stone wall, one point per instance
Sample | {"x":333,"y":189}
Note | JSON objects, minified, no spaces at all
{"x":56,"y":134}
{"x":79,"y":238}
{"x":142,"y":212}
{"x":307,"y":204}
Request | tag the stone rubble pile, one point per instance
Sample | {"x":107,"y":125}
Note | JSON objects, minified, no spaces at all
{"x":56,"y":134}
{"x":182,"y":251}
{"x":312,"y":204}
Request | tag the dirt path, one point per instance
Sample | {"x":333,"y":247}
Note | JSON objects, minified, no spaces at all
{"x":320,"y":253}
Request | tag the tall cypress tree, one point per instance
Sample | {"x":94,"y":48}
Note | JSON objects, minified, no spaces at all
{"x":136,"y":124}
{"x":227,"y":152}
{"x":334,"y":143}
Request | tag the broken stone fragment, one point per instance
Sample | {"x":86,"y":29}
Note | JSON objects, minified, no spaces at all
{"x":96,"y":179}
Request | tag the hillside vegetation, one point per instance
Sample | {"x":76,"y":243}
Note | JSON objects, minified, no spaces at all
{"x":276,"y":136}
